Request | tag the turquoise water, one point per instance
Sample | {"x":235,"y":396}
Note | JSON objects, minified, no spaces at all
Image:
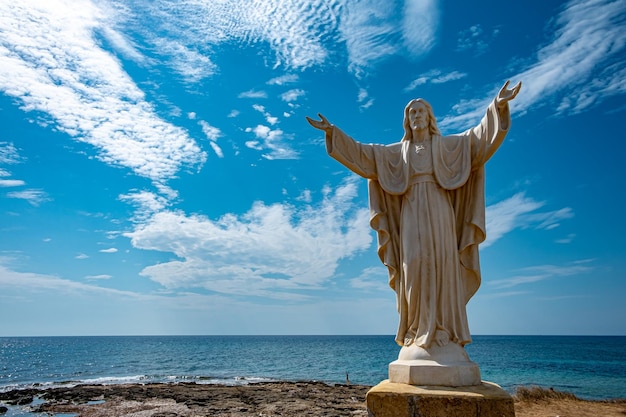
{"x":590,"y":367}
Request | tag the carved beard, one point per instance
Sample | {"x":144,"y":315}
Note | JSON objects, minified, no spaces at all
{"x":419,"y":124}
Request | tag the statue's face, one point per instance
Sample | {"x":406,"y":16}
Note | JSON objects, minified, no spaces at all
{"x":418,"y":116}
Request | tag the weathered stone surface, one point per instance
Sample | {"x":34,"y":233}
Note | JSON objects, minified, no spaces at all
{"x":389,"y":399}
{"x":424,"y":372}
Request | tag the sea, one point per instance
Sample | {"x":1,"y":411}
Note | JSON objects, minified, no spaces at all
{"x":591,"y":367}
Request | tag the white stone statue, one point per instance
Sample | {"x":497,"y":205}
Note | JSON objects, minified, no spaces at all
{"x":426,"y":196}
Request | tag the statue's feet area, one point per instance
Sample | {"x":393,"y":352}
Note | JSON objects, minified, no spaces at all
{"x":437,"y":365}
{"x":448,"y":353}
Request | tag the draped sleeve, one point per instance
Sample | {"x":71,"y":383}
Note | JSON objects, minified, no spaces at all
{"x":386,"y":169}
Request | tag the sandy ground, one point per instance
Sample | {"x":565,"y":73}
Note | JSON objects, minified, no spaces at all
{"x":261,"y":400}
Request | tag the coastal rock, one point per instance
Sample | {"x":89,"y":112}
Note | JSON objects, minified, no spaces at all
{"x":19,"y":397}
{"x":314,"y":399}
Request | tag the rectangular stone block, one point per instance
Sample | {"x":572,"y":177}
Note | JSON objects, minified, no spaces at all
{"x":389,"y":399}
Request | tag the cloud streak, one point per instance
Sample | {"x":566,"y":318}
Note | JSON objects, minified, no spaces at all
{"x":63,"y":73}
{"x":580,"y":67}
{"x":542,"y":272}
{"x":519,"y":212}
{"x":280,"y":249}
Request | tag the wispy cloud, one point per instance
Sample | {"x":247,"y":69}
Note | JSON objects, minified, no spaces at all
{"x":192,"y":64}
{"x":40,"y":282}
{"x":98,"y":277}
{"x":434,"y":77}
{"x":373,"y":279}
{"x":542,"y":272}
{"x":568,"y":239}
{"x":578,"y":68}
{"x":420,"y":24}
{"x":108,"y":250}
{"x":292,"y":95}
{"x":11,"y":183}
{"x":212,"y":133}
{"x":284,"y":79}
{"x":364,"y":100}
{"x":253,"y":94}
{"x":82,"y":256}
{"x":272,"y":120}
{"x":9,"y":154}
{"x":279,"y":248}
{"x":271,"y":142}
{"x":519,"y":212}
{"x":34,"y":197}
{"x":67,"y":76}
{"x":475,"y":39}
{"x":146,"y":203}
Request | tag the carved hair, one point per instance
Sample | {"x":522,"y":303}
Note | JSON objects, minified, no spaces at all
{"x":432,"y":122}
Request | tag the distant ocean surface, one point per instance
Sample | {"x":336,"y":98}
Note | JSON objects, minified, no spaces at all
{"x":591,"y":367}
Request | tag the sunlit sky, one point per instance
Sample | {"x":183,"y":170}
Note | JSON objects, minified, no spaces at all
{"x":158,"y":176}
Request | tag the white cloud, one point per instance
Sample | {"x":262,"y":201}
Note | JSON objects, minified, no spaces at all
{"x":81,"y":256}
{"x":50,"y":61}
{"x":543,"y":272}
{"x":11,"y":183}
{"x":40,"y":282}
{"x":191,"y":115}
{"x":269,"y":251}
{"x":268,"y":117}
{"x":8,"y":154}
{"x":272,"y":141}
{"x":516,"y":212}
{"x":580,"y":60}
{"x":475,"y":39}
{"x":216,"y":148}
{"x":375,"y":279}
{"x":292,"y":95}
{"x":233,"y":113}
{"x":147,"y":203}
{"x":34,"y":197}
{"x":568,"y":239}
{"x":212,"y":133}
{"x":284,"y":79}
{"x":253,"y":94}
{"x":123,"y":45}
{"x":108,"y":250}
{"x":419,"y":25}
{"x":97,"y":277}
{"x":362,"y":98}
{"x":192,"y":64}
{"x":434,"y":77}
{"x":579,"y":68}
{"x":305,"y":196}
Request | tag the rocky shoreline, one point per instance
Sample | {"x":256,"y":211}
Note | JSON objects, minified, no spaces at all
{"x":314,"y":399}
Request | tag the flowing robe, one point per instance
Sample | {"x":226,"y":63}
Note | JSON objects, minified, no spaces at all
{"x":428,"y":208}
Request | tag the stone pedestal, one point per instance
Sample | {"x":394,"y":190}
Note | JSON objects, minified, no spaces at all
{"x":446,"y":365}
{"x":389,"y":399}
{"x":426,"y":372}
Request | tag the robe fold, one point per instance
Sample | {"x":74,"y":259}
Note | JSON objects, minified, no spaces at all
{"x":427,"y":206}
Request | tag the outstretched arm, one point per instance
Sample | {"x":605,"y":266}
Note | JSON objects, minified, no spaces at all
{"x":322,"y":124}
{"x":505,"y":95}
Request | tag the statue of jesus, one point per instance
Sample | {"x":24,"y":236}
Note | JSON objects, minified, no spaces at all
{"x":426,"y":196}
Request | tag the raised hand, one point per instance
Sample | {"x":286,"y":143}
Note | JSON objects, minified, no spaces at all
{"x":505,"y":95}
{"x":322,"y":124}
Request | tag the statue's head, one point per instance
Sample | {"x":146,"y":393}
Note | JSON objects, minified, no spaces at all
{"x":432,"y":122}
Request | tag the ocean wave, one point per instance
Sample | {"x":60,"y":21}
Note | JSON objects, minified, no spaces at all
{"x":140,"y":379}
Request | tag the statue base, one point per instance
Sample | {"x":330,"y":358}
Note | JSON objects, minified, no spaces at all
{"x":389,"y":399}
{"x":424,"y":372}
{"x":446,"y":365}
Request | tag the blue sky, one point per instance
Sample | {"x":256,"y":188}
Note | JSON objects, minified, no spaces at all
{"x":158,"y":176}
